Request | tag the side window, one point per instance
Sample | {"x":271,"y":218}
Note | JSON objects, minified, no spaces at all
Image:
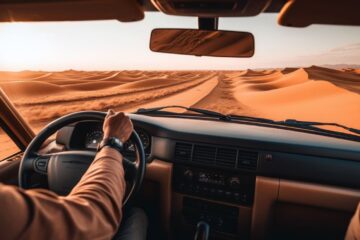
{"x":7,"y":146}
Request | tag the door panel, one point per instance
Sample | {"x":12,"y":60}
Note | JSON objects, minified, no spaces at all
{"x":9,"y":168}
{"x":9,"y":159}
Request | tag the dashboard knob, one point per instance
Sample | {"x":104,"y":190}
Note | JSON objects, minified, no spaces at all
{"x":234,"y":182}
{"x":188,"y":174}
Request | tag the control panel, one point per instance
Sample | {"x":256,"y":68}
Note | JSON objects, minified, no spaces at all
{"x":220,"y":217}
{"x":213,"y":184}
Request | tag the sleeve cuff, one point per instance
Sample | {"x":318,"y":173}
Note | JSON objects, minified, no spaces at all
{"x":108,"y":152}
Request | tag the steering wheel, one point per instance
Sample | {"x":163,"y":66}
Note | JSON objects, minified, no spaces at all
{"x":64,"y":169}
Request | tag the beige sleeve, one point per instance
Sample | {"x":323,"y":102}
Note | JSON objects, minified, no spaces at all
{"x":353,"y":232}
{"x":91,"y":211}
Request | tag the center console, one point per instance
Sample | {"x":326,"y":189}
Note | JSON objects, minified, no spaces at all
{"x":221,"y":198}
{"x":220,"y":217}
{"x":214,"y":184}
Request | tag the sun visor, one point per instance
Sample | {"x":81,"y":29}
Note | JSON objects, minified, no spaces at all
{"x":66,"y":10}
{"x":211,"y":8}
{"x":302,"y":13}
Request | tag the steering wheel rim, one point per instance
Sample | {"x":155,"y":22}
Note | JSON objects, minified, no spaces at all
{"x":31,"y":157}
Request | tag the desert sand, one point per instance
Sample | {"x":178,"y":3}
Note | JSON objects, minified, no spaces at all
{"x":313,"y":93}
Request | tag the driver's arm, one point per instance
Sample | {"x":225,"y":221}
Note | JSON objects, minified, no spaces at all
{"x":353,"y":232}
{"x":91,"y":211}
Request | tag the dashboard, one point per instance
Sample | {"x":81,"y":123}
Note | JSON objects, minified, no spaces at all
{"x":219,"y":170}
{"x":234,"y":147}
{"x":225,"y":172}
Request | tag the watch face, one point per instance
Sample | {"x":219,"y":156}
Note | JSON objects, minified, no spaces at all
{"x":115,"y":143}
{"x":111,"y":142}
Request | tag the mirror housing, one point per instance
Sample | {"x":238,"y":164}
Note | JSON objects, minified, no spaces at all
{"x":203,"y":42}
{"x":211,"y":8}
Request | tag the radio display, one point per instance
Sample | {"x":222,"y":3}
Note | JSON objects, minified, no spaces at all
{"x":215,"y":179}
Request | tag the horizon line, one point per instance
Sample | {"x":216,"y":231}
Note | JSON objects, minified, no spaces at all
{"x":161,"y":70}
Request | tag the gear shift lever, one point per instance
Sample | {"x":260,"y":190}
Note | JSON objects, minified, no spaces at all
{"x":202,"y":231}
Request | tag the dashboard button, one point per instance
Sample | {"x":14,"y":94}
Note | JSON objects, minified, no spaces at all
{"x":188,"y":174}
{"x":41,"y":165}
{"x":236,"y":196}
{"x":244,"y":197}
{"x":234,"y":182}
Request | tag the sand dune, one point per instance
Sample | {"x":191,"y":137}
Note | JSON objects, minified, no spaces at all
{"x":347,"y":80}
{"x":259,"y":77}
{"x":253,"y":73}
{"x":277,"y":81}
{"x":313,"y":93}
{"x":288,"y":70}
{"x":29,"y":89}
{"x":352,"y":70}
{"x":66,"y":95}
{"x":91,"y":86}
{"x":18,"y":76}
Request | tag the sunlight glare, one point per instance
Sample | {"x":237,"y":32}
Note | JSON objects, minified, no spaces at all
{"x":25,"y":46}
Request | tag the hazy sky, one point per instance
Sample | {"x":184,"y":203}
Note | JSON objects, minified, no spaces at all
{"x":112,"y":45}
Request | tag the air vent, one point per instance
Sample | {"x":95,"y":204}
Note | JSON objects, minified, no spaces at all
{"x":204,"y":154}
{"x":183,"y":151}
{"x":216,"y":156}
{"x":247,"y":159}
{"x":226,"y":157}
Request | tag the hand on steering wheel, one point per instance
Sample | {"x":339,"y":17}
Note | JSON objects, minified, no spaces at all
{"x":64,"y":169}
{"x":117,"y":125}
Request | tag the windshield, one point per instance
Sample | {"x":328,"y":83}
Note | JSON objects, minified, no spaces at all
{"x":308,"y":74}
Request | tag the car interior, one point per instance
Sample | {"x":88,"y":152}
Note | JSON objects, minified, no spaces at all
{"x":205,"y":175}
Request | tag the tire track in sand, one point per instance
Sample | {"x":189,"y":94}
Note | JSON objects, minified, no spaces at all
{"x":182,"y":96}
{"x":222,"y":98}
{"x":185,"y":98}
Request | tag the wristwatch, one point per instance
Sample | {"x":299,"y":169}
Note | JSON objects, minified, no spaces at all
{"x":112,"y":142}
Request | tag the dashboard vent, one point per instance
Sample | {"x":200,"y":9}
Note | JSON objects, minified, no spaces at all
{"x":216,"y":156}
{"x":247,"y":159}
{"x":226,"y":157}
{"x":204,"y":154}
{"x":183,"y":151}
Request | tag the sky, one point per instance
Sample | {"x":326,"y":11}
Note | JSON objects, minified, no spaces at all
{"x":112,"y":45}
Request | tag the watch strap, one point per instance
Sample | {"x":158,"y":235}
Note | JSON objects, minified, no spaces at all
{"x":112,"y":142}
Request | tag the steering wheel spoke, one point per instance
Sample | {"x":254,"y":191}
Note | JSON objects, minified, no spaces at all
{"x":130,"y":167}
{"x":36,"y":163}
{"x":41,"y":162}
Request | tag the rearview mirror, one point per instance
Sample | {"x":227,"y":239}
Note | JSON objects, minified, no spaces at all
{"x":203,"y":42}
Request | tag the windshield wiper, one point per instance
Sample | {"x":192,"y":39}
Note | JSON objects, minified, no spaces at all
{"x":197,"y":110}
{"x":252,"y":119}
{"x":299,"y":124}
{"x":313,"y":125}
